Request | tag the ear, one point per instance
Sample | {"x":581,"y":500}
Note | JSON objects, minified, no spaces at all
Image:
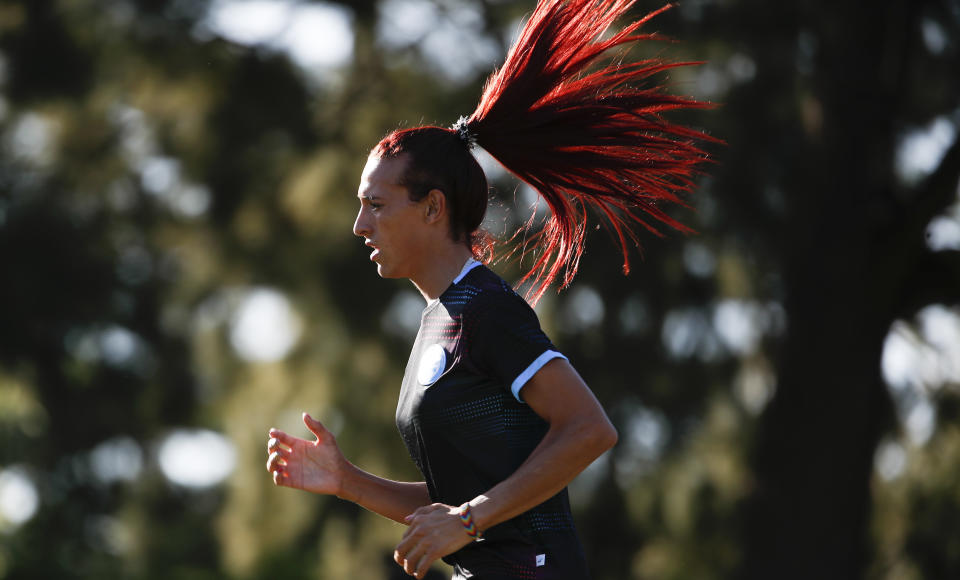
{"x":435,"y":206}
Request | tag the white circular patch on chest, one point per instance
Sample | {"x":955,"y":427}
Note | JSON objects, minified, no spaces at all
{"x":432,"y":364}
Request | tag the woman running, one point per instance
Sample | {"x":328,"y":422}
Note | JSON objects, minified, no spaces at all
{"x":494,"y":416}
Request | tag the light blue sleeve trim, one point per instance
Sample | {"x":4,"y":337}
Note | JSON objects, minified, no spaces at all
{"x":531,"y":370}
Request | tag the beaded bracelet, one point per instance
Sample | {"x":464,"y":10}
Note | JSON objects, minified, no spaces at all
{"x":466,"y":518}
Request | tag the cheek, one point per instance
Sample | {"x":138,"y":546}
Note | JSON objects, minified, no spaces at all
{"x":401,"y":228}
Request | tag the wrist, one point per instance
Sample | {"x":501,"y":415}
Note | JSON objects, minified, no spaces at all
{"x":480,"y":510}
{"x":465,"y":512}
{"x":345,"y":490}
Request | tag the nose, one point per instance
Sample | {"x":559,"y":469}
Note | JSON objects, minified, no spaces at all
{"x":361,"y":226}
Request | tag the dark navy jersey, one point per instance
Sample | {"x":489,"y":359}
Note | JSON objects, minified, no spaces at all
{"x":462,"y":417}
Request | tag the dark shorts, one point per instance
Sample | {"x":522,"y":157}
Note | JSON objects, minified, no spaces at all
{"x":516,"y":561}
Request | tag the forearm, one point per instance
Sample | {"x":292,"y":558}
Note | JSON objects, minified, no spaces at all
{"x":561,"y":455}
{"x":391,"y":499}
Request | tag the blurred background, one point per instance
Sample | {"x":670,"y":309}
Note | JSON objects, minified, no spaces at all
{"x":178,"y":274}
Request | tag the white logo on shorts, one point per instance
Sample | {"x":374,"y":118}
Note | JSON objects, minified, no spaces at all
{"x":541,"y":560}
{"x":432,"y":364}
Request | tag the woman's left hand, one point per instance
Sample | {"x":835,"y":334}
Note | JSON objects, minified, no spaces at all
{"x":435,"y":531}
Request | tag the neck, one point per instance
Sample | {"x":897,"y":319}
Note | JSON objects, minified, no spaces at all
{"x":442,"y":267}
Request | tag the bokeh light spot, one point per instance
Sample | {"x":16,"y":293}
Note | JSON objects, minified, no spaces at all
{"x":18,"y":497}
{"x":196,"y":458}
{"x":264,"y":328}
{"x":117,"y":459}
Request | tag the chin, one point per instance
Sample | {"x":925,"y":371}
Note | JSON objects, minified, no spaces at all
{"x":386,"y":272}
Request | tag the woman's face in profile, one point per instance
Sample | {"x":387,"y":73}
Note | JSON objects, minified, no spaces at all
{"x":389,"y":221}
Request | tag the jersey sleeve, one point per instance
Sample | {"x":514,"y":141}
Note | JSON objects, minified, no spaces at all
{"x":506,"y":341}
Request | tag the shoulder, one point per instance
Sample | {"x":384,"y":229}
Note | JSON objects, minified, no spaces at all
{"x":486,"y":307}
{"x":491,"y":297}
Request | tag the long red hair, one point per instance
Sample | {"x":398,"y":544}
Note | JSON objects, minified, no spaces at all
{"x":582,"y":138}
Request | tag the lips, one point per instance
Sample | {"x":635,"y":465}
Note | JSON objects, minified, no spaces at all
{"x":375,"y":252}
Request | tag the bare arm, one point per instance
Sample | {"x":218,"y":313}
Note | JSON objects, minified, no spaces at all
{"x":579,"y":432}
{"x":392,"y":499}
{"x":319,"y":467}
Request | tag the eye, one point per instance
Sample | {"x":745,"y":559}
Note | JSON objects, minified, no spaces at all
{"x":369,"y":203}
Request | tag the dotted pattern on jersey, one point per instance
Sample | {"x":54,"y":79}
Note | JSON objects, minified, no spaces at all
{"x":459,"y":295}
{"x":477,"y":419}
{"x":496,"y":413}
{"x":435,"y":329}
{"x":543,"y":521}
{"x":444,"y":324}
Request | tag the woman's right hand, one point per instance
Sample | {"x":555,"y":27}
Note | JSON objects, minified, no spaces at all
{"x":317,"y":466}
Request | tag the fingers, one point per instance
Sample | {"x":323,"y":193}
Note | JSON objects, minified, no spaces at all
{"x":274,"y":444}
{"x":434,"y":531}
{"x":403,"y":548}
{"x":282,"y":437}
{"x":418,"y":570}
{"x":286,"y":452}
{"x":413,"y":553}
{"x":416,"y":562}
{"x":423,"y":565}
{"x":276,"y":462}
{"x":315,"y":427}
{"x":277,"y":465}
{"x":278,"y":454}
{"x":408,"y":543}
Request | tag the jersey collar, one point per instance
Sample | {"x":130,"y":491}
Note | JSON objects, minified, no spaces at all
{"x":469,"y":265}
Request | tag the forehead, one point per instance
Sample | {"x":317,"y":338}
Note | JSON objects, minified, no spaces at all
{"x":382,"y":175}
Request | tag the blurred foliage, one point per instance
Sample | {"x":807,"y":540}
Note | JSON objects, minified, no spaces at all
{"x":154,"y":174}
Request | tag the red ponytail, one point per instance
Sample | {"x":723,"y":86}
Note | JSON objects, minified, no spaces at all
{"x":585,"y":138}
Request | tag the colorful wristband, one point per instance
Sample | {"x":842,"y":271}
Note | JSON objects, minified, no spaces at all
{"x":466,"y":518}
